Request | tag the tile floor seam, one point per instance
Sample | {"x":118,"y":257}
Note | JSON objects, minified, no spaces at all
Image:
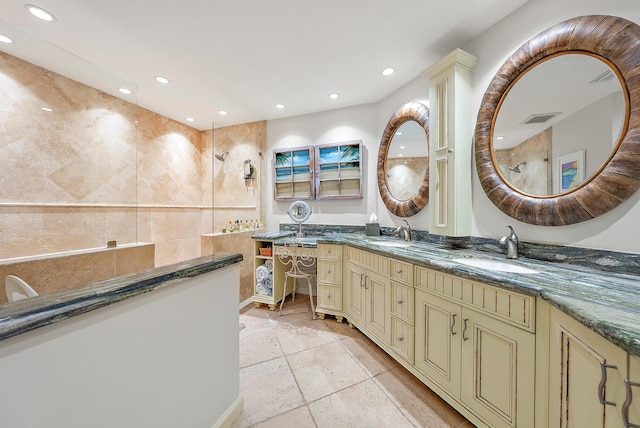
{"x":366,"y":370}
{"x":295,"y":379}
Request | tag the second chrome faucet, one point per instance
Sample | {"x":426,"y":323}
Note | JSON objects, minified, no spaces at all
{"x":512,"y":243}
{"x":404,"y":231}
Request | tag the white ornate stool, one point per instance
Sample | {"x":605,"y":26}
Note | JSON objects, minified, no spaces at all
{"x":297,"y":257}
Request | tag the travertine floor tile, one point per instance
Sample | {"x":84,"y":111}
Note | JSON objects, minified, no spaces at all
{"x":320,"y":372}
{"x":297,"y":418}
{"x":417,"y":402}
{"x":369,"y":355}
{"x":362,"y":405}
{"x":300,"y":334}
{"x":258,"y":346}
{"x":268,"y":389}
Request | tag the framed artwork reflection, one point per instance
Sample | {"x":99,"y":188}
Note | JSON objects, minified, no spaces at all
{"x":570,"y":171}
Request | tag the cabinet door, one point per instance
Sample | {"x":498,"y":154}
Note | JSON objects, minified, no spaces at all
{"x":631,"y":407}
{"x":498,"y":370}
{"x":586,"y":372}
{"x":354,"y":292}
{"x":437,"y":343}
{"x":338,"y":171}
{"x":378,"y":306}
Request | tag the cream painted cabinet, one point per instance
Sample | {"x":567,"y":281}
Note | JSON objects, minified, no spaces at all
{"x":367,"y":293}
{"x":329,"y":280}
{"x":631,"y":405}
{"x":476,"y":342}
{"x":587,"y":377}
{"x":450,"y":144}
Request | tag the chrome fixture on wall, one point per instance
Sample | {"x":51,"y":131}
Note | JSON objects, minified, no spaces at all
{"x":516,"y":168}
{"x":223,"y":156}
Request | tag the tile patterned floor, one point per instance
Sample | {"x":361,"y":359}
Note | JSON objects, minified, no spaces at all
{"x":299,"y":372}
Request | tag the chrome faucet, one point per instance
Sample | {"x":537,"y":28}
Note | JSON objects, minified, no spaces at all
{"x":512,"y":244}
{"x":404,"y":231}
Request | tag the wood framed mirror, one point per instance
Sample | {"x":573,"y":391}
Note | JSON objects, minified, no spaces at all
{"x":403,"y":160}
{"x":614,"y":42}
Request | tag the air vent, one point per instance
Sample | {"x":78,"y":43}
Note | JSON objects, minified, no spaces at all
{"x":539,"y":118}
{"x":604,"y":77}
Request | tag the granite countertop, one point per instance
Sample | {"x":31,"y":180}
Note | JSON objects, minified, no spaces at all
{"x":605,"y":302}
{"x":28,"y":314}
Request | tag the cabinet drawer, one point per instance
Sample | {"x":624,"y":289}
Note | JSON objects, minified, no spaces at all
{"x":329,"y":297}
{"x":401,"y":271}
{"x":513,"y":308}
{"x":402,"y":302}
{"x":369,"y":260}
{"x":402,"y":339}
{"x":329,"y":251}
{"x":329,"y":271}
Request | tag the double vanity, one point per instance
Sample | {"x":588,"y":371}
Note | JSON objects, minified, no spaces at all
{"x":508,"y":343}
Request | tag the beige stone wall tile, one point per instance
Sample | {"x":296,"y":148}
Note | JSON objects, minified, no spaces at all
{"x":168,"y":252}
{"x":192,"y":226}
{"x":134,"y":259}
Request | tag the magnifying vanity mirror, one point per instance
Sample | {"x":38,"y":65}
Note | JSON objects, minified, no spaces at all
{"x":403,"y":160}
{"x":558,"y":127}
{"x":299,"y":212}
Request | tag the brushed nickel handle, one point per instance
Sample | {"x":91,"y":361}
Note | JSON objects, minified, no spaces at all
{"x":453,"y":323}
{"x":328,"y":296}
{"x":464,"y":330}
{"x":400,"y":302}
{"x":603,"y":381}
{"x":399,"y":271}
{"x":361,"y":279}
{"x":400,"y":339}
{"x":627,"y":403}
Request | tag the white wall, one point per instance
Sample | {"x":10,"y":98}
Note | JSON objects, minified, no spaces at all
{"x":167,"y":358}
{"x":614,"y":230}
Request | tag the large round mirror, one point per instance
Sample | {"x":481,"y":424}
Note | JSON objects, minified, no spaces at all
{"x":558,"y":127}
{"x":558,"y":124}
{"x":403,"y":160}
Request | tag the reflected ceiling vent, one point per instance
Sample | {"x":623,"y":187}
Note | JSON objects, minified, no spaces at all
{"x":604,"y":77}
{"x":539,"y":118}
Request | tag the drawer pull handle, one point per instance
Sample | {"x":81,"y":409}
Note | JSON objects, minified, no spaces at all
{"x":328,"y":296}
{"x":603,"y":383}
{"x":400,"y":339}
{"x":399,"y":271}
{"x":453,"y":323}
{"x":464,"y":330}
{"x":627,"y":403}
{"x":400,"y":302}
{"x":328,"y":271}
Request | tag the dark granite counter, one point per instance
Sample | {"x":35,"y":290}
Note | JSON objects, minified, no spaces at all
{"x":28,"y":314}
{"x":605,"y":302}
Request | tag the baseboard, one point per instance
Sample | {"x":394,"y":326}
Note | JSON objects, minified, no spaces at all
{"x":232,"y":414}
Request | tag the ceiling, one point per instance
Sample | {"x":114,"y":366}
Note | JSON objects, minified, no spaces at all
{"x":245,"y":56}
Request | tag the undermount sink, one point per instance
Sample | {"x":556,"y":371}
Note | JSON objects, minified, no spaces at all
{"x":398,"y":244}
{"x":495,"y":265}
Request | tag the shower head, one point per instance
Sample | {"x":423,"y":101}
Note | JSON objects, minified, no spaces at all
{"x":516,"y":168}
{"x":223,"y":156}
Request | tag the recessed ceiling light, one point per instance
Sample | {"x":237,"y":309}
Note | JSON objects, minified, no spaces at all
{"x":334,"y":95}
{"x":162,"y":79}
{"x":125,"y":91}
{"x":402,"y":147}
{"x":280,"y":106}
{"x":388,"y":71}
{"x":5,"y":39}
{"x":190,"y":119}
{"x":40,"y":13}
{"x":222,"y":112}
{"x":46,"y":109}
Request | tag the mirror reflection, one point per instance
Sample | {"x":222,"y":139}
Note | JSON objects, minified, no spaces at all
{"x":407,"y":160}
{"x":558,"y":124}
